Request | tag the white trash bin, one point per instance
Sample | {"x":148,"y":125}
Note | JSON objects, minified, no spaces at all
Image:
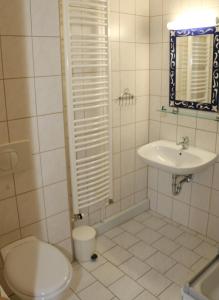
{"x":84,"y":238}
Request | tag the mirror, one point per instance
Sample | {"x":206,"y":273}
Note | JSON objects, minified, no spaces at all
{"x":194,"y":68}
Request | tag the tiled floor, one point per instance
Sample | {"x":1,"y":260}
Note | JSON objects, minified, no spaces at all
{"x":148,"y":258}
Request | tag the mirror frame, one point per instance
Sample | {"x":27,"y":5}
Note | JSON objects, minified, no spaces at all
{"x":213,"y":106}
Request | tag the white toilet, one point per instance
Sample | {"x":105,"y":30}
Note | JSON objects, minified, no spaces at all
{"x":35,"y":270}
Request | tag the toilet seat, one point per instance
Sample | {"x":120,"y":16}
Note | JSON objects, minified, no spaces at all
{"x":36,"y":269}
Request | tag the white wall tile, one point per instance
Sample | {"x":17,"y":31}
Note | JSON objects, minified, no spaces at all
{"x":127,"y":56}
{"x":156,"y":56}
{"x":45,"y":18}
{"x":4,"y":133}
{"x":198,"y":220}
{"x":168,"y":132}
{"x":127,"y":162}
{"x":213,"y":224}
{"x":17,"y":56}
{"x":114,"y":5}
{"x":1,"y":70}
{"x":9,"y":238}
{"x":7,"y":188}
{"x":56,"y":198}
{"x":38,"y":230}
{"x":51,"y":132}
{"x":58,"y":227}
{"x":127,"y":185}
{"x":152,"y":178}
{"x":15,"y":17}
{"x":141,"y":132}
{"x":142,"y":7}
{"x":116,"y":139}
{"x":30,"y":179}
{"x":31,"y":207}
{"x":53,"y":166}
{"x":156,"y":29}
{"x":115,"y":58}
{"x":46,"y":56}
{"x":142,"y":108}
{"x":142,"y":29}
{"x":140,"y":180}
{"x":48,"y":95}
{"x":116,"y":165}
{"x":200,"y":196}
{"x":156,"y":8}
{"x":2,"y":102}
{"x":180,"y":212}
{"x":20,"y":98}
{"x":21,"y":129}
{"x":142,"y":82}
{"x":127,"y":137}
{"x":8,"y":221}
{"x":127,"y":28}
{"x":164,"y":182}
{"x":214,"y":203}
{"x":127,"y":80}
{"x":164,"y":205}
{"x":142,"y":56}
{"x":127,"y":6}
{"x":206,"y":140}
{"x":114,"y":22}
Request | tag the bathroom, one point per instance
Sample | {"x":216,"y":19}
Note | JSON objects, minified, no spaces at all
{"x":150,"y":242}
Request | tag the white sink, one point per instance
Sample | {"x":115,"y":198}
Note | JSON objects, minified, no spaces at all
{"x":169,"y":157}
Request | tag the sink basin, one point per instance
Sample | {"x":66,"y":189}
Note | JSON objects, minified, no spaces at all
{"x":169,"y":157}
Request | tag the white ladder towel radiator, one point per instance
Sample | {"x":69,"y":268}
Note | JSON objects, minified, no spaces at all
{"x":87,"y":78}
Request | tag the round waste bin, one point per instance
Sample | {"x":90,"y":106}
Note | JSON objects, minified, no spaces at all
{"x":84,"y":238}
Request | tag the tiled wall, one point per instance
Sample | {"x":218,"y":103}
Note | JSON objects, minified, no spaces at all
{"x":198,"y":204}
{"x":34,"y":202}
{"x":129,"y":35}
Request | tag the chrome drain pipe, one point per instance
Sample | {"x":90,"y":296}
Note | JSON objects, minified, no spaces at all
{"x":178,"y":181}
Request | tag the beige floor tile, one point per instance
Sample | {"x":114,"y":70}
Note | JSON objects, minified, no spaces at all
{"x":165,"y":245}
{"x":81,"y":278}
{"x":206,"y":250}
{"x":160,"y":262}
{"x":125,"y":240}
{"x":154,"y":282}
{"x":149,"y":236}
{"x":188,"y":240}
{"x":96,"y":291}
{"x":170,"y":231}
{"x":132,"y":226}
{"x":142,"y":251}
{"x":154,"y":223}
{"x":171,"y":293}
{"x":104,"y":244}
{"x":113,"y":232}
{"x":107,"y":274}
{"x":117,"y":255}
{"x":185,"y":257}
{"x":126,"y":288}
{"x":179,"y":274}
{"x":134,"y":268}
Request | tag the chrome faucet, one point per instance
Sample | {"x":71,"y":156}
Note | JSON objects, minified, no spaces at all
{"x":184,"y":143}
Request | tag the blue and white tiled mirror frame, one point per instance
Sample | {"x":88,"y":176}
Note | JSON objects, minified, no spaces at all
{"x":213,"y":106}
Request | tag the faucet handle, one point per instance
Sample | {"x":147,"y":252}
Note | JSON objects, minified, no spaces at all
{"x":185,"y":139}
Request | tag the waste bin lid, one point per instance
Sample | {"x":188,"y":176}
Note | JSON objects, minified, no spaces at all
{"x":83,"y":233}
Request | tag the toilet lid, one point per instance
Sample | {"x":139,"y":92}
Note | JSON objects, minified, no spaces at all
{"x":37,"y":269}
